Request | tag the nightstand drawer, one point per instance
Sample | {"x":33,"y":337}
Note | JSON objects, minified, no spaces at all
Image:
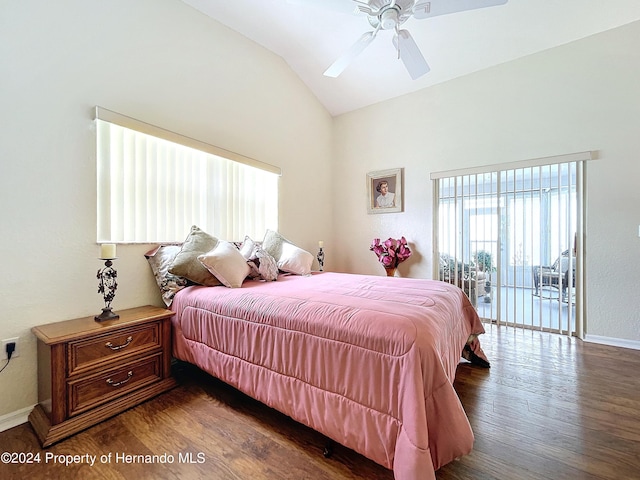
{"x":89,"y":392}
{"x":86,"y":354}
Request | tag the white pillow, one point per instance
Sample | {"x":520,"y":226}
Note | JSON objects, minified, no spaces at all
{"x":248,"y":246}
{"x":295,"y":260}
{"x":227,"y":264}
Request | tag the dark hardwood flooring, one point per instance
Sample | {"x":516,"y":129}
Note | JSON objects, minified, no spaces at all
{"x":550,"y":407}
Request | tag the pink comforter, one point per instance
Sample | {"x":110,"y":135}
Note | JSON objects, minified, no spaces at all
{"x":367,"y":361}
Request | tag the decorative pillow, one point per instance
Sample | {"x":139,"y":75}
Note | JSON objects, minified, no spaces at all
{"x":160,"y":259}
{"x":227,"y":264}
{"x":186,"y":263}
{"x":272,"y":243}
{"x":295,"y":260}
{"x":263,"y":265}
{"x":248,"y":247}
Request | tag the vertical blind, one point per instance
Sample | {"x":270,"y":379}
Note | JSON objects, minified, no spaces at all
{"x":152,"y":190}
{"x":529,"y":221}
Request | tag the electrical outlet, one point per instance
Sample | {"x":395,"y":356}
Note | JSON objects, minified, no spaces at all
{"x":3,"y":351}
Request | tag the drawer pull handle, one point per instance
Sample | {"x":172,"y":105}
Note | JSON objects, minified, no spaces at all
{"x":118,"y":347}
{"x":117,"y":384}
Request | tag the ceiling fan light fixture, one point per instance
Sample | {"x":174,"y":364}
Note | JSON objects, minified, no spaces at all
{"x":389,"y":19}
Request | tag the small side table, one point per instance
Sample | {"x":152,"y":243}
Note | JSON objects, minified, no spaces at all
{"x":89,"y":371}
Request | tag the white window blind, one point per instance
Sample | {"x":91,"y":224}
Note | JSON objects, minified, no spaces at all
{"x":152,"y":190}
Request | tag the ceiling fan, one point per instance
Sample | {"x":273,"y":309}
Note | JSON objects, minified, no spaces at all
{"x":390,"y":15}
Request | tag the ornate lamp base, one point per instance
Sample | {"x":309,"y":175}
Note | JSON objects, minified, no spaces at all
{"x":107,"y":286}
{"x":106,"y":314}
{"x":320,"y":258}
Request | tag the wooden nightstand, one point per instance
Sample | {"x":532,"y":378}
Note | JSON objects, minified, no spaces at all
{"x":89,"y":371}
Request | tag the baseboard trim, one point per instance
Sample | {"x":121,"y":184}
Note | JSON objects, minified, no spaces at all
{"x":14,"y":419}
{"x":614,"y":342}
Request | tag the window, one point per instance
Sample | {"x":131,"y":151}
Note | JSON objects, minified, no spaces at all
{"x":153,"y":185}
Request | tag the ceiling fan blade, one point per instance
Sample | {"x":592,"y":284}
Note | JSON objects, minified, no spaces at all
{"x":410,"y":54}
{"x":433,"y":8}
{"x":347,"y":57}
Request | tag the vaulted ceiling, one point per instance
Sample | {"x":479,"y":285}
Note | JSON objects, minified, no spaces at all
{"x":310,"y":35}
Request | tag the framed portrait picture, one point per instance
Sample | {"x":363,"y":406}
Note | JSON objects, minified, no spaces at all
{"x":384,"y":189}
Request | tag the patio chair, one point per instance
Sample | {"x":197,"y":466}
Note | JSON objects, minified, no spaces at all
{"x":556,"y":276}
{"x":466,"y":277}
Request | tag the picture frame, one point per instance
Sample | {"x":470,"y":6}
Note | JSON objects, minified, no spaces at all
{"x":393,"y":200}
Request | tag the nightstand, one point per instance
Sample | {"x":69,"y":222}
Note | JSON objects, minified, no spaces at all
{"x":89,"y":371}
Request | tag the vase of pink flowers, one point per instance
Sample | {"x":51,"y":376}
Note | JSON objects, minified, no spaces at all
{"x":391,"y":253}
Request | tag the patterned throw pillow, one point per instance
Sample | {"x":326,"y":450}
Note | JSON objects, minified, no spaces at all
{"x":160,"y":259}
{"x":263,"y":265}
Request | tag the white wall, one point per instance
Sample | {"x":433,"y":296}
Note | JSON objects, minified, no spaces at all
{"x":578,"y":97}
{"x":165,"y":63}
{"x":156,"y":60}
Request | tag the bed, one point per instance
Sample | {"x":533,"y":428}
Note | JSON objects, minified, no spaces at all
{"x":367,"y":361}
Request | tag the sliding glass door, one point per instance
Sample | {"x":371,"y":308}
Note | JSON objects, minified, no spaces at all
{"x":508,"y":237}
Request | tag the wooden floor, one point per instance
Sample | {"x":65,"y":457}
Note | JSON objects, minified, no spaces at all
{"x":551,"y":407}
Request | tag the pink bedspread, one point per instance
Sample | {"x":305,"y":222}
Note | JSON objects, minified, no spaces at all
{"x":367,"y":361}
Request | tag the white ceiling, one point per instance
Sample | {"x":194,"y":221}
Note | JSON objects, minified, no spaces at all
{"x":310,"y":38}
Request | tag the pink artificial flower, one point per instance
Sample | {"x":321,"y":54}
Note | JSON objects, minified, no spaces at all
{"x":387,"y":261}
{"x":392,"y":252}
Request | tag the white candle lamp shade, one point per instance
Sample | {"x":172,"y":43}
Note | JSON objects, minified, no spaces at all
{"x":108,"y":251}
